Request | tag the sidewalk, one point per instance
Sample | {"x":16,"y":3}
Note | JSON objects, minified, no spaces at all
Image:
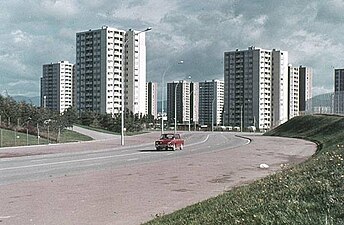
{"x":96,"y":135}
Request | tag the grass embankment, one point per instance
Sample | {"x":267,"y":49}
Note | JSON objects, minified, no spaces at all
{"x":110,"y":132}
{"x":9,"y":138}
{"x":309,"y":193}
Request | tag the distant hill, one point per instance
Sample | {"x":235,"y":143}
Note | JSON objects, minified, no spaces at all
{"x":33,"y":100}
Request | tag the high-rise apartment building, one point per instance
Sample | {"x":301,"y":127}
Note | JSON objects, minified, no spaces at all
{"x":338,"y":97}
{"x":182,"y":99}
{"x":135,"y":72}
{"x":57,"y":86}
{"x":255,"y":88}
{"x":280,"y":87}
{"x":305,"y":91}
{"x":194,"y":103}
{"x":211,"y":94}
{"x":293,"y":98}
{"x":152,"y":99}
{"x":106,"y":58}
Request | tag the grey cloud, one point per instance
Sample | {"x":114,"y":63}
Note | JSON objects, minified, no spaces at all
{"x":331,"y":12}
{"x":197,"y":32}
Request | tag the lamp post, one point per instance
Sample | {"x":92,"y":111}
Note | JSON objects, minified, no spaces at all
{"x":241,"y":122}
{"x":212,"y":114}
{"x":162,"y":95}
{"x":190,"y":102}
{"x":123,"y":89}
{"x":0,"y":132}
{"x":47,"y":122}
{"x":223,"y":118}
{"x":190,"y":110}
{"x":175,"y":107}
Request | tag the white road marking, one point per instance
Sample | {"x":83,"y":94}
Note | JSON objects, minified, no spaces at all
{"x":70,"y":161}
{"x":6,"y":159}
{"x":133,"y":159}
{"x":201,"y":142}
{"x":5,"y":217}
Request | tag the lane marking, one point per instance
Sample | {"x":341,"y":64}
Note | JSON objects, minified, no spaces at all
{"x":71,"y":161}
{"x":6,"y":159}
{"x":201,"y":142}
{"x":135,"y":159}
{"x":5,"y":217}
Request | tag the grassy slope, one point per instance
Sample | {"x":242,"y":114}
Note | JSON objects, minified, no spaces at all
{"x":110,"y":132}
{"x":72,"y":136}
{"x":8,"y":138}
{"x":309,"y":193}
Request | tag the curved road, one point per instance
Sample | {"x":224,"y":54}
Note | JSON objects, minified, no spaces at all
{"x":100,"y":182}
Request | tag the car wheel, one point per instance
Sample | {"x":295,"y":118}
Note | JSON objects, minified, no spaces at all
{"x":157,"y":148}
{"x":181,"y":147}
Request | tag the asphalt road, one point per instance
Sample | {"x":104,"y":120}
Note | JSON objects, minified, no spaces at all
{"x":44,"y":166}
{"x":100,"y":182}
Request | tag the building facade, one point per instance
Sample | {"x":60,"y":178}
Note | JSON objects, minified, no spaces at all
{"x":211,"y":100}
{"x":255,"y":88}
{"x":135,"y":72}
{"x":338,"y":97}
{"x":182,"y":101}
{"x":293,"y":98}
{"x":280,"y":89}
{"x":107,"y":59}
{"x":57,"y":86}
{"x":305,"y":91}
{"x":152,"y":99}
{"x":194,"y":104}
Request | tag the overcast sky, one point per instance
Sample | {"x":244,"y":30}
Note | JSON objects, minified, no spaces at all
{"x":36,"y":32}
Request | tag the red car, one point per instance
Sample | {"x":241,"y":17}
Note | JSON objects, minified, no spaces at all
{"x":169,"y":141}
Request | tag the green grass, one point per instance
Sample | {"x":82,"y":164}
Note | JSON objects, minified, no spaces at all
{"x":72,"y":136}
{"x":10,"y":138}
{"x":309,"y":193}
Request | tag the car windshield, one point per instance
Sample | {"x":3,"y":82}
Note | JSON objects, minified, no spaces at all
{"x":167,"y":136}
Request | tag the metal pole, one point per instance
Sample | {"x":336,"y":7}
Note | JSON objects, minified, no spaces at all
{"x":162,"y":104}
{"x":15,"y":136}
{"x":0,"y":132}
{"x":212,"y":115}
{"x":241,"y":118}
{"x":223,"y":118}
{"x":27,"y":136}
{"x":48,"y":136}
{"x":59,"y":135}
{"x":162,"y":96}
{"x":190,"y":111}
{"x":175,"y":107}
{"x":123,"y":86}
{"x":189,"y":125}
{"x":38,"y":137}
{"x":123,"y":97}
{"x":190,"y":102}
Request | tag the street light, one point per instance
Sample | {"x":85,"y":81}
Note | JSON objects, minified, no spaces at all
{"x":162,"y":95}
{"x":241,"y":118}
{"x":212,"y":114}
{"x":175,"y":107}
{"x":123,"y":89}
{"x":190,"y":102}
